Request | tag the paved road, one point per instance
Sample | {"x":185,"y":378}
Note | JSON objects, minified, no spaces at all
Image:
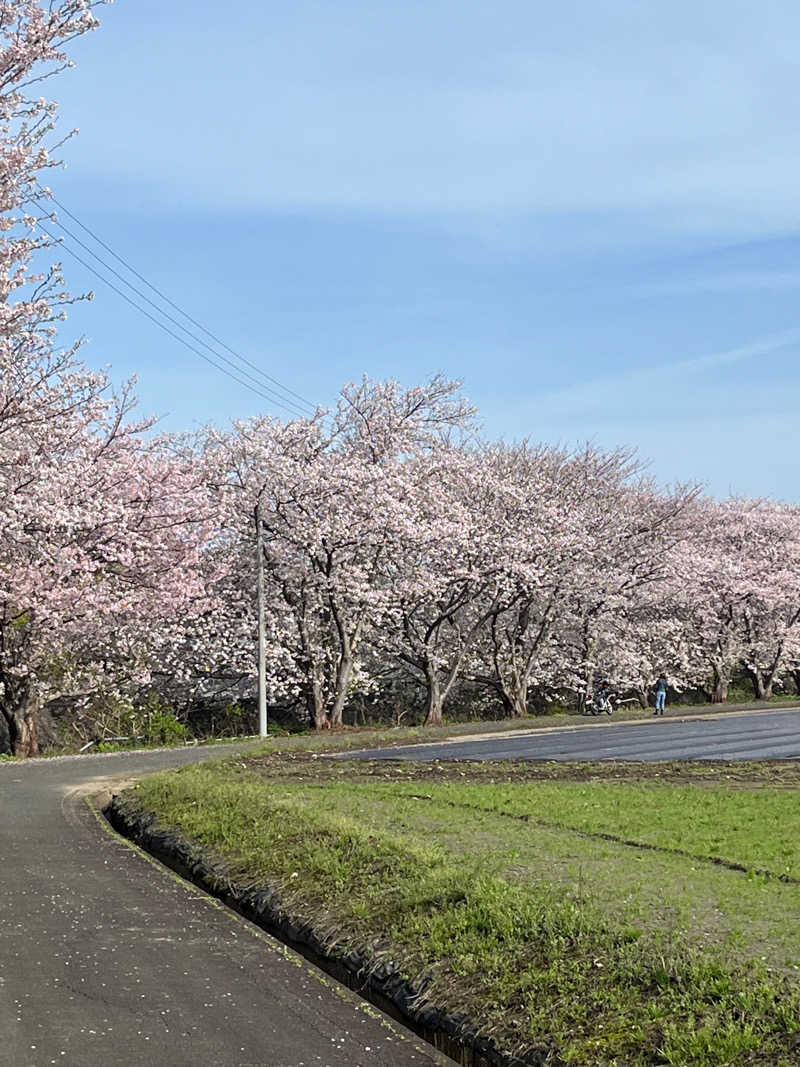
{"x":108,"y":960}
{"x":727,"y":736}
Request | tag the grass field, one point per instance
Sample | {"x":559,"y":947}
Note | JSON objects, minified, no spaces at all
{"x":603,"y":915}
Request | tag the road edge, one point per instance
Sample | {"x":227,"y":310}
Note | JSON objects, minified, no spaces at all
{"x":537,"y":731}
{"x":97,"y":803}
{"x":453,"y":1037}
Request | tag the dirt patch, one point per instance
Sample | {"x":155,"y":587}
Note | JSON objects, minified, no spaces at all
{"x":310,"y":767}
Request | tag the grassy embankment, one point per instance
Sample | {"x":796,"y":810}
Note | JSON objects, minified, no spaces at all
{"x":648,"y":916}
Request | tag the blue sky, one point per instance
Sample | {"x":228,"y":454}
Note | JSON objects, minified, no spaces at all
{"x":588,"y":211}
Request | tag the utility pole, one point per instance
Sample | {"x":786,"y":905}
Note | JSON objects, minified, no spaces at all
{"x":262,"y":672}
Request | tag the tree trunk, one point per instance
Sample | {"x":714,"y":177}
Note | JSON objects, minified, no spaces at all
{"x":641,"y":696}
{"x":587,"y":667}
{"x":433,"y":699}
{"x":519,"y":707}
{"x":348,"y":644}
{"x":316,"y":706}
{"x":344,"y":672}
{"x":517,"y":700}
{"x":762,"y":686}
{"x":508,"y":707}
{"x":21,"y":712}
{"x":719,"y":691}
{"x":5,"y":737}
{"x":516,"y":690}
{"x":513,"y":695}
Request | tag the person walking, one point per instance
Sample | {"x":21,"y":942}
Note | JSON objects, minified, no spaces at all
{"x":661,"y":695}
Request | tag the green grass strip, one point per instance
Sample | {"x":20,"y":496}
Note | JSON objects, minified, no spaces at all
{"x":757,"y":829}
{"x":537,"y":969}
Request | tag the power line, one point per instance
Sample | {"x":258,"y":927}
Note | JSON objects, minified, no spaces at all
{"x":261,"y":388}
{"x":161,"y":325}
{"x":170,"y":318}
{"x":176,"y":307}
{"x":167,"y":300}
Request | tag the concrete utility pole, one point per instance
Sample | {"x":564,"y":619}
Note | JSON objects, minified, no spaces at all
{"x":262,"y":672}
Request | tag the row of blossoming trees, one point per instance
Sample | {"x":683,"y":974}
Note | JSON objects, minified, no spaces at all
{"x":402,"y":554}
{"x":404,"y":559}
{"x":407,"y":562}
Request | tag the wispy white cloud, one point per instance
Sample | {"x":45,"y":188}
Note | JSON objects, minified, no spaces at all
{"x":261,"y":147}
{"x":689,"y":419}
{"x":732,"y":282}
{"x":679,"y":117}
{"x":677,"y":386}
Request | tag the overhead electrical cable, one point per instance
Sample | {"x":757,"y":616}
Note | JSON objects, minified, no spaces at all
{"x":170,"y":318}
{"x":290,"y":393}
{"x":166,"y":299}
{"x":254,"y":389}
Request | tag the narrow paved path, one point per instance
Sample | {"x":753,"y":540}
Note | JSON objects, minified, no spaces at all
{"x":727,"y":736}
{"x":108,"y":960}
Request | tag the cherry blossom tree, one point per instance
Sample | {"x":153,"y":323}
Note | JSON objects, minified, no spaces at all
{"x":101,"y":543}
{"x":650,"y":626}
{"x":331,"y":492}
{"x":445,"y":562}
{"x":771,"y":610}
{"x":96,"y":538}
{"x":618,"y":534}
{"x":38,"y":384}
{"x":741,"y":592}
{"x":539,"y":545}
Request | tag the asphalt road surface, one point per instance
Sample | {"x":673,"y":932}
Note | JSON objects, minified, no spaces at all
{"x":726,"y":736}
{"x":109,"y":960}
